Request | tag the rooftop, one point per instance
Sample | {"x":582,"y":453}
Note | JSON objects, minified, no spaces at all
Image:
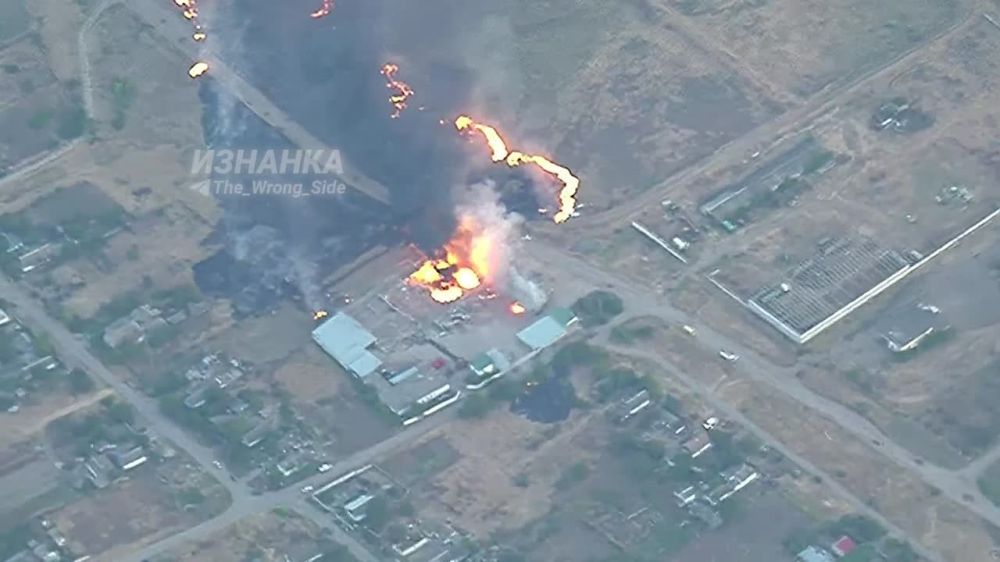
{"x":543,"y":332}
{"x":842,"y":271}
{"x":489,"y":362}
{"x":814,"y":554}
{"x":844,"y":546}
{"x":908,"y":326}
{"x":401,"y":390}
{"x":565,"y":316}
{"x":346,"y":340}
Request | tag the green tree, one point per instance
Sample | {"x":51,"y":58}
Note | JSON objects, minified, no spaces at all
{"x":860,"y":528}
{"x":475,"y":406}
{"x":72,"y":123}
{"x":598,"y":307}
{"x":80,"y":382}
{"x":898,"y":551}
{"x":377,"y":514}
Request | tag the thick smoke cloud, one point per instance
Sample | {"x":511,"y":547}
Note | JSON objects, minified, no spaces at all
{"x":325,"y":74}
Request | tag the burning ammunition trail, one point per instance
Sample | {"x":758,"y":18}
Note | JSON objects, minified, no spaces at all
{"x":571,"y":183}
{"x":324,"y":10}
{"x":496,"y":143}
{"x":402,"y":89}
{"x":197,"y":69}
{"x":499,"y":152}
{"x":189,"y":9}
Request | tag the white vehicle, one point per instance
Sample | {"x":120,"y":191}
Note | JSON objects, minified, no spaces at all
{"x":727,"y":355}
{"x":325,"y":467}
{"x":307,"y":489}
{"x":711,"y":423}
{"x":689,"y":330}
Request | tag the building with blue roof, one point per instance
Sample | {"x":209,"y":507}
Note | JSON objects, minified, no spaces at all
{"x":347,"y":341}
{"x":548,"y":329}
{"x":814,"y":554}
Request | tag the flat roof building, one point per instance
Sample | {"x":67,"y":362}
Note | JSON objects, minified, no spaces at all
{"x":824,"y":288}
{"x":489,"y":363}
{"x":347,"y":341}
{"x":409,"y":389}
{"x":548,"y":329}
{"x":911,"y":326}
{"x":814,"y":554}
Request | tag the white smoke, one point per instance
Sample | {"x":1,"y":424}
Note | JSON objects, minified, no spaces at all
{"x":226,"y":31}
{"x":481,"y":202}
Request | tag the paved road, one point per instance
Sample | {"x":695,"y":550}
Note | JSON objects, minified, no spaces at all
{"x":292,"y":496}
{"x":74,"y":353}
{"x":83,"y":50}
{"x":732,"y":413}
{"x":763,"y":139}
{"x":166,"y":21}
{"x":638,"y":298}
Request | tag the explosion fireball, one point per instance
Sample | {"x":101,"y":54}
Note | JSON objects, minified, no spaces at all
{"x":323,"y":11}
{"x":402,"y":90}
{"x":500,"y":153}
{"x":465,"y":263}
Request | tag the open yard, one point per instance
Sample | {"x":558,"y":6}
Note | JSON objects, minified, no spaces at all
{"x":139,"y":510}
{"x":324,"y":395}
{"x":804,"y":46}
{"x":275,"y":536}
{"x":937,"y":400}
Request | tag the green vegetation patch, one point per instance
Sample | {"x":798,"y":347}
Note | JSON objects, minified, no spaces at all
{"x":598,"y":308}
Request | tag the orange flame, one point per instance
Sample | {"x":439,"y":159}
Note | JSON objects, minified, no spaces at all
{"x":466,"y":263}
{"x":403,"y":90}
{"x":189,"y":9}
{"x":324,"y":10}
{"x":496,"y":143}
{"x":571,"y":183}
{"x":517,"y":308}
{"x":499,"y":152}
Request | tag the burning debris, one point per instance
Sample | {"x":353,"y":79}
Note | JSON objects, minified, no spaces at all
{"x":197,"y":69}
{"x":463,"y":266}
{"x":517,"y":308}
{"x":499,"y":152}
{"x":477,"y":253}
{"x":320,"y":314}
{"x":189,"y":9}
{"x":402,"y":90}
{"x":498,"y":147}
{"x":323,"y":11}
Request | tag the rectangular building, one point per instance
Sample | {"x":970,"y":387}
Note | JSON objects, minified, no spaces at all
{"x":347,"y":341}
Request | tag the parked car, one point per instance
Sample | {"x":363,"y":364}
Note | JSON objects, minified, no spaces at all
{"x":728,"y":356}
